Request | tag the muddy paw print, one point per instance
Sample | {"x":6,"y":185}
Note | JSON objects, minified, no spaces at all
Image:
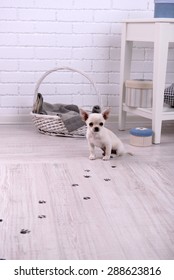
{"x":86,"y":198}
{"x":24,"y":231}
{"x":75,"y":185}
{"x":41,"y":216}
{"x":42,"y":201}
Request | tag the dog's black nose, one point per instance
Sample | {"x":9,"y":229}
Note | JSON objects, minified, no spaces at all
{"x":96,"y":129}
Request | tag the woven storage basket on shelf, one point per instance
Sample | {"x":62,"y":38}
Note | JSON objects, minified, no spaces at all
{"x":53,"y":125}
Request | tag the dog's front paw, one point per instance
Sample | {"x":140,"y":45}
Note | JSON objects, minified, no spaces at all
{"x":106,"y":157}
{"x":92,"y":157}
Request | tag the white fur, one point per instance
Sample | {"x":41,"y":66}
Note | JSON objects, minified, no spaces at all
{"x":99,"y":136}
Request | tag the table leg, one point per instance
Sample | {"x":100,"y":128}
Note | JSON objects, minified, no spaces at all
{"x":126,"y":56}
{"x":159,"y":75}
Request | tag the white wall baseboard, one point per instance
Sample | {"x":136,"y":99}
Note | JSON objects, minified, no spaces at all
{"x":15,"y":119}
{"x":27,"y":119}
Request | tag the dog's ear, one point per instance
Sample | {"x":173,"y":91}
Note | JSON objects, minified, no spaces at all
{"x":84,"y":115}
{"x":106,"y":113}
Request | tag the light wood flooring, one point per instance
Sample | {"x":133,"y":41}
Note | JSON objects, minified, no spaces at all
{"x":57,"y":204}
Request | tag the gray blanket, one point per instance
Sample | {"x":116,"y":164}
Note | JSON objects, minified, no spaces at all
{"x":68,"y":113}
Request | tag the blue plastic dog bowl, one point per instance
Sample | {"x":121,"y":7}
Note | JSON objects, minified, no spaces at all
{"x":141,"y":136}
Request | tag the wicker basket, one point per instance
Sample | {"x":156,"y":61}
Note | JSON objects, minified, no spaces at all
{"x":53,"y":125}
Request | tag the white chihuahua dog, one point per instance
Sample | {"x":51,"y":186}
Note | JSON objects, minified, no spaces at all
{"x":99,"y":136}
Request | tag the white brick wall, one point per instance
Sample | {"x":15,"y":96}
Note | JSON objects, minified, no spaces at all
{"x":37,"y":35}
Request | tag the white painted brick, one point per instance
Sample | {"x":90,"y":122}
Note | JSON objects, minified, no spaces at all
{"x":16,"y":52}
{"x":36,"y":65}
{"x":106,"y":66}
{"x":91,"y":53}
{"x":53,"y":27}
{"x":26,"y":89}
{"x":147,"y":76}
{"x":130,"y":5}
{"x":78,"y":100}
{"x":8,"y":14}
{"x":137,"y":66}
{"x":83,"y":65}
{"x":16,"y":101}
{"x":116,"y":27}
{"x":100,"y":78}
{"x":115,"y":53}
{"x":115,"y":110}
{"x":8,"y":65}
{"x":51,"y":4}
{"x":8,"y":89}
{"x":74,"y":15}
{"x":8,"y":39}
{"x":140,"y":14}
{"x":114,"y":78}
{"x":36,"y":15}
{"x":47,"y":90}
{"x":90,"y":100}
{"x":74,"y":89}
{"x":104,"y":100}
{"x":91,"y":4}
{"x":65,"y":99}
{"x":77,"y":78}
{"x":142,"y":44}
{"x":56,"y":90}
{"x":113,"y":99}
{"x":148,"y":54}
{"x":109,"y":89}
{"x":17,"y":77}
{"x":16,"y":3}
{"x":137,"y":75}
{"x":53,"y":53}
{"x":57,"y":77}
{"x":138,"y":54}
{"x":74,"y":40}
{"x":91,"y":28}
{"x":110,"y":15}
{"x":37,"y":40}
{"x":106,"y":40}
{"x":16,"y":27}
{"x":170,"y":67}
{"x":148,"y":66}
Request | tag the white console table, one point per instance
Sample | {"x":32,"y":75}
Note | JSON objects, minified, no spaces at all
{"x":160,"y":32}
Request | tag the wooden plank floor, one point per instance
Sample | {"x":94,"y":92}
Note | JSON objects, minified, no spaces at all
{"x":69,"y":207}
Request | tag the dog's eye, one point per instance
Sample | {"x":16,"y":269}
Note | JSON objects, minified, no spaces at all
{"x":91,"y":124}
{"x":101,"y":124}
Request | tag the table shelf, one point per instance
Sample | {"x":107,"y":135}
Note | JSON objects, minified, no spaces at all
{"x":167,"y":114}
